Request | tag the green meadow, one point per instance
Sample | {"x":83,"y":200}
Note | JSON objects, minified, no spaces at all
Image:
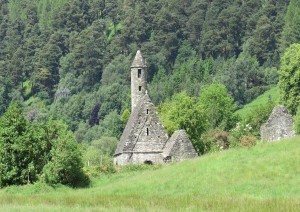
{"x":262,"y":178}
{"x":272,"y":94}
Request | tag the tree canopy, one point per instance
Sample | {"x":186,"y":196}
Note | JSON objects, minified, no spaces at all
{"x":289,"y":78}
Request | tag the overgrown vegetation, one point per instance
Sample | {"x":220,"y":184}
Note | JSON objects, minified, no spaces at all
{"x":33,"y":151}
{"x":261,"y":178}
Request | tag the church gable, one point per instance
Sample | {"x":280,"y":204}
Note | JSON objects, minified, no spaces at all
{"x":151,"y":135}
{"x":144,"y":131}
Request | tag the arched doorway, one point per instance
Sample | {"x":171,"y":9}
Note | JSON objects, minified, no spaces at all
{"x":148,"y":162}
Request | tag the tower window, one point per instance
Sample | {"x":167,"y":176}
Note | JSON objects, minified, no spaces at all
{"x":140,"y":88}
{"x":147,"y":131}
{"x":147,"y":111}
{"x":139,"y":73}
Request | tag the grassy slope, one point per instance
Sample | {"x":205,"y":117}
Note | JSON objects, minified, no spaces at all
{"x":272,"y":94}
{"x":264,"y":178}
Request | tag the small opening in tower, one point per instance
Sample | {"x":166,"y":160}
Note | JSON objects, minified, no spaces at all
{"x":147,"y":111}
{"x":140,"y":88}
{"x":139,"y":73}
{"x":147,"y":131}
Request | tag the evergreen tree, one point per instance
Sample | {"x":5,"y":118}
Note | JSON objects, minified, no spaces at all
{"x":291,"y":33}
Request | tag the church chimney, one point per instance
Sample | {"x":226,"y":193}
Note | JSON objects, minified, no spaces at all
{"x":138,"y":79}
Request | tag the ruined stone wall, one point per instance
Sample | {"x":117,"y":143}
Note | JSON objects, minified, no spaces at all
{"x":278,"y":126}
{"x":138,"y":158}
{"x":121,"y":159}
{"x":146,"y":157}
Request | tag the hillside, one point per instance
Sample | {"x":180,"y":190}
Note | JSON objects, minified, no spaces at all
{"x":272,"y":94}
{"x":264,"y":178}
{"x":70,"y":59}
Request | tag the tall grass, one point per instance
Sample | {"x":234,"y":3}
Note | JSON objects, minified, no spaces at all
{"x":261,"y":178}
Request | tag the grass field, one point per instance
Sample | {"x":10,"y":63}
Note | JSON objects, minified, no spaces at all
{"x":262,"y":178}
{"x":263,"y":99}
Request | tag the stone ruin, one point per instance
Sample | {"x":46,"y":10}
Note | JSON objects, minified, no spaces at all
{"x":144,"y":139}
{"x":278,"y":126}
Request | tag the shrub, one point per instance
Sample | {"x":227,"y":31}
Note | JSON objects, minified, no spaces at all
{"x":247,"y":141}
{"x":38,"y":150}
{"x":297,"y":121}
{"x":215,"y":140}
{"x":242,"y":129}
{"x":258,"y":116}
{"x":65,"y":159}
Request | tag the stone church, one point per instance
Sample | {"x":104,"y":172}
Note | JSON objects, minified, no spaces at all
{"x":145,"y":140}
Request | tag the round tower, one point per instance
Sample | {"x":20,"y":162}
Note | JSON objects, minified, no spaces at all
{"x":138,"y":79}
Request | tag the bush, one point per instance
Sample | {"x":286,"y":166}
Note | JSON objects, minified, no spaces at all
{"x":46,"y":151}
{"x":297,"y":121}
{"x":255,"y":92}
{"x":247,"y":141}
{"x":65,"y":159}
{"x":21,"y":149}
{"x":258,"y":116}
{"x":215,"y":140}
{"x":218,"y":106}
{"x":289,"y":80}
{"x":237,"y":133}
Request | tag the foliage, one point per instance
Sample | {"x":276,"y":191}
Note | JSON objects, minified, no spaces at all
{"x":248,"y":141}
{"x":215,"y":140}
{"x":182,"y":112}
{"x":258,"y":116}
{"x":241,"y":130}
{"x":271,"y":95}
{"x":229,"y":183}
{"x":125,"y":116}
{"x":64,"y":159}
{"x":289,"y":78}
{"x":290,"y":33}
{"x":22,"y":149}
{"x":98,"y":157}
{"x":218,"y":106}
{"x":37,"y":150}
{"x":297,"y":122}
{"x":70,"y":59}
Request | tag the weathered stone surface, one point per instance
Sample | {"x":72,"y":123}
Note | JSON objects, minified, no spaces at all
{"x":138,"y":79}
{"x":144,"y":139}
{"x":278,"y":126}
{"x":179,"y":147}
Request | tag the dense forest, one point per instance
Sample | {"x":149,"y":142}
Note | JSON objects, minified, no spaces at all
{"x":69,"y":60}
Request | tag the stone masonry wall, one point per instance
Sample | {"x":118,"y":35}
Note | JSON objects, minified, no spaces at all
{"x":278,"y":126}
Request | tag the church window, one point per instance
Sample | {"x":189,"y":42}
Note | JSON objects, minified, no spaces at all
{"x":147,"y":131}
{"x":139,"y":73}
{"x":147,"y":111}
{"x":140,"y":88}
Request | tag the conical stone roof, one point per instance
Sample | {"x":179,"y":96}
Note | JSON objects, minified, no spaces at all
{"x":138,"y":60}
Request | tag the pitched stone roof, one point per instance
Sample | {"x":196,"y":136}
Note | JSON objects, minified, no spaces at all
{"x":133,"y":138}
{"x":179,"y":140}
{"x":138,"y":60}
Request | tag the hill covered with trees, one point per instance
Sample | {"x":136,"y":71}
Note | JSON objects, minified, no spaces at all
{"x":69,"y":60}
